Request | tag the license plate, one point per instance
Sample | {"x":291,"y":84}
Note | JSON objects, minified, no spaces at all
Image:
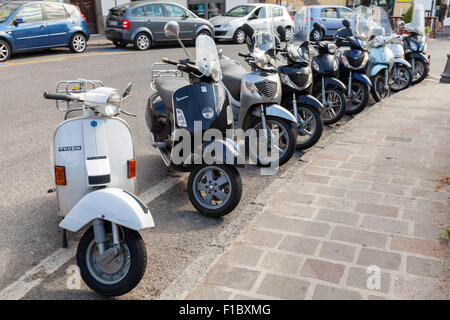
{"x":113,"y":23}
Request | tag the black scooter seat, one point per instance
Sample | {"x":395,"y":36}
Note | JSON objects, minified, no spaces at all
{"x":166,"y":86}
{"x":232,"y":75}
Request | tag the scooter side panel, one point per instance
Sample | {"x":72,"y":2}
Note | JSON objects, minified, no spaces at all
{"x":362,"y":77}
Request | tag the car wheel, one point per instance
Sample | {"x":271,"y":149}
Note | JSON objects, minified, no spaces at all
{"x":142,"y":41}
{"x":239,"y":36}
{"x":5,"y":50}
{"x":120,"y":44}
{"x":316,"y":35}
{"x":78,"y":43}
{"x":204,"y":32}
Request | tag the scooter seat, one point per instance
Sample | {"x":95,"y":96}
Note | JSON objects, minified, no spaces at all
{"x":166,"y":86}
{"x":232,"y":75}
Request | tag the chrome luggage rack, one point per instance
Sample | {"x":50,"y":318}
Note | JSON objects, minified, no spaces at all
{"x":75,"y":86}
{"x":158,"y":71}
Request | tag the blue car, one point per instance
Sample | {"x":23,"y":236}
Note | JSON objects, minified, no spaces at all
{"x":32,"y":25}
{"x":330,"y":18}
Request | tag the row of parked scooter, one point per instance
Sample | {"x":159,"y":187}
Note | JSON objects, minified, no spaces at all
{"x":219,"y":117}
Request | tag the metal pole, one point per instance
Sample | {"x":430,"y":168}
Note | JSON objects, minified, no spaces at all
{"x":445,"y":76}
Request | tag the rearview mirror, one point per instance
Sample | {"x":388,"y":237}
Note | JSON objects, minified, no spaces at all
{"x":282,"y":32}
{"x":172,"y":29}
{"x":18,"y":21}
{"x":127,"y":92}
{"x":401,"y":25}
{"x":346,"y":23}
{"x":372,"y":37}
{"x":220,"y":53}
{"x":248,"y":30}
{"x":317,"y":26}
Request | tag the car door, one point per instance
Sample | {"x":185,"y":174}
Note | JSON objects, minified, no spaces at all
{"x":258,"y":18}
{"x":347,"y":14}
{"x":32,"y":33}
{"x":178,"y":14}
{"x":57,"y":24}
{"x":329,"y":18}
{"x":156,"y":20}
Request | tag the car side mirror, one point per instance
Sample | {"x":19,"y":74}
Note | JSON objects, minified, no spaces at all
{"x":184,"y":17}
{"x":172,"y":29}
{"x":346,"y":23}
{"x":18,"y":21}
{"x":252,"y":17}
{"x":282,"y":32}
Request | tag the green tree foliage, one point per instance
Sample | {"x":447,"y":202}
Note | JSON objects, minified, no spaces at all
{"x":407,"y":17}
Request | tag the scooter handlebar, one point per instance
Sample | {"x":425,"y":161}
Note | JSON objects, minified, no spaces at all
{"x":57,"y":96}
{"x":166,"y":60}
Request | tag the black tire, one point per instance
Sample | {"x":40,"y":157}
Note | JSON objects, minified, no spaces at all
{"x":291,"y":140}
{"x":78,"y":43}
{"x":379,"y":93}
{"x":5,"y":50}
{"x":235,"y":183}
{"x":316,"y":35}
{"x":289,"y":32}
{"x":317,"y":131}
{"x":363,"y":96}
{"x":120,"y":44}
{"x":138,"y":263}
{"x":407,"y":74}
{"x":142,"y":41}
{"x":205,"y":32}
{"x":327,"y":117}
{"x":239,"y":36}
{"x":424,"y":74}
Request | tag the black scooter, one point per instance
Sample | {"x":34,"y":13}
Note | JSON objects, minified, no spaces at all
{"x":353,"y":64}
{"x":187,"y":109}
{"x":327,"y":88}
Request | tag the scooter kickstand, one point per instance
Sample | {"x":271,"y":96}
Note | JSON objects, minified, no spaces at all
{"x":64,"y":238}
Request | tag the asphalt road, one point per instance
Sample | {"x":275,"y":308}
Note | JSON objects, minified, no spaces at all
{"x":29,"y":230}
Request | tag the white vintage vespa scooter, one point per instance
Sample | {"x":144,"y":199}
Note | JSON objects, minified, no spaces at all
{"x":95,"y":176}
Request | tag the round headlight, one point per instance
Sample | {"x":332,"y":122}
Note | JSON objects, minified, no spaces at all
{"x":208,"y":113}
{"x":315,"y":66}
{"x":112,"y":106}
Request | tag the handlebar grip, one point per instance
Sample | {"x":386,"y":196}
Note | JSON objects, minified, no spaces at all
{"x":165,"y":60}
{"x":57,"y":96}
{"x":243,"y":55}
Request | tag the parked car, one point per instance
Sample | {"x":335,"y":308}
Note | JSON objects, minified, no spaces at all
{"x":142,"y":24}
{"x":31,"y":25}
{"x":330,"y":18}
{"x":229,"y":26}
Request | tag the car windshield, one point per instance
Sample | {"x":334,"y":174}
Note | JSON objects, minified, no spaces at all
{"x":207,"y":58}
{"x":6,"y":9}
{"x":239,"y":11}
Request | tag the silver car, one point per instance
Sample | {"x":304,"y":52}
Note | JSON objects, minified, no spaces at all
{"x":229,"y":26}
{"x":142,"y":23}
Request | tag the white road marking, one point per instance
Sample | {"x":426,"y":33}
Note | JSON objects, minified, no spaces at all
{"x":57,"y":259}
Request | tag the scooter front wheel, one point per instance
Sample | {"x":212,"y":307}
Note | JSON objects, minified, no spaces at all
{"x":122,"y":273}
{"x":379,"y":90}
{"x":214,"y":190}
{"x":421,"y":71}
{"x":335,"y":107}
{"x":309,"y":126}
{"x":359,"y":99}
{"x":400,"y":78}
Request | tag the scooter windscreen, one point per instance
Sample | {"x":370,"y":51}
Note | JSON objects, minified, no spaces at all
{"x":417,"y":24}
{"x":264,"y":41}
{"x":372,"y":21}
{"x":207,"y":58}
{"x":297,"y":48}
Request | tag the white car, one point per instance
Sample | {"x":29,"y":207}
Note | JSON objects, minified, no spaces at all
{"x":229,"y":26}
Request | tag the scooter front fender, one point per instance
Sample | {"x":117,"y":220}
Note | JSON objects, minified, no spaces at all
{"x":222,"y":152}
{"x":333,"y":82}
{"x":376,"y":69}
{"x":362,"y":78}
{"x":110,"y":204}
{"x":402,"y":61}
{"x":418,"y":55}
{"x":311,"y":101}
{"x":276,"y":110}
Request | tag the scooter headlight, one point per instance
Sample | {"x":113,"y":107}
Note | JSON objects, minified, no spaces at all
{"x":331,"y":48}
{"x":112,"y":106}
{"x":363,"y":44}
{"x":315,"y":66}
{"x":422,"y":47}
{"x":181,"y":120}
{"x":104,"y":100}
{"x":413,"y":46}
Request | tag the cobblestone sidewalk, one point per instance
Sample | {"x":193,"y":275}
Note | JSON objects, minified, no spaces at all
{"x":378,"y":196}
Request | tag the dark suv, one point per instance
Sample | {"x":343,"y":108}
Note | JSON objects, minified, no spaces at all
{"x":142,"y":23}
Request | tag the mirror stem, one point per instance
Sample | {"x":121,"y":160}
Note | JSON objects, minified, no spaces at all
{"x":181,"y":43}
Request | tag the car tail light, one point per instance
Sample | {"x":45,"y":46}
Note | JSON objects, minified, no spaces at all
{"x":292,"y":17}
{"x":312,"y":18}
{"x":82,"y":15}
{"x":60,"y":176}
{"x":126,"y":24}
{"x":131,"y":168}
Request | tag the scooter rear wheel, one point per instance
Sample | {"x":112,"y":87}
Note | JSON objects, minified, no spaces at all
{"x":214,"y":190}
{"x":123,"y":273}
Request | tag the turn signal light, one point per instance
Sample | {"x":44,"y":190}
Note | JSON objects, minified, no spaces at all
{"x":126,"y":24}
{"x":131,"y":168}
{"x":60,"y":176}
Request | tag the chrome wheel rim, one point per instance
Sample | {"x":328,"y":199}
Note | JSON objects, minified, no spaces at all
{"x":306,"y":125}
{"x":333,"y":105}
{"x":240,"y":37}
{"x":316,"y":35}
{"x":79,"y":44}
{"x":212,"y":187}
{"x":277,"y":142}
{"x":4,"y":51}
{"x":419,"y":70}
{"x":288,"y":34}
{"x":380,"y":88}
{"x":357,"y":96}
{"x":143,"y":42}
{"x":110,"y":273}
{"x":399,"y":78}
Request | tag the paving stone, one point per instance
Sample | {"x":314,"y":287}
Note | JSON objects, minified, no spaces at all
{"x":359,"y":278}
{"x":263,"y":238}
{"x":337,"y":216}
{"x":364,"y":196}
{"x":419,"y":288}
{"x":323,"y":270}
{"x":424,"y":267}
{"x":314,"y":178}
{"x":323,"y":292}
{"x":399,"y":139}
{"x":349,"y":183}
{"x":333,"y":156}
{"x":316,"y":229}
{"x":372,"y":297}
{"x":243,"y":255}
{"x":359,"y":159}
{"x":385,"y":224}
{"x":283,"y":287}
{"x":377,"y":209}
{"x":355,"y":166}
{"x":315,"y":170}
{"x":293,"y":196}
{"x":326,"y":163}
{"x":329,"y":191}
{"x":246,"y":297}
{"x":432,"y":205}
{"x":298,"y":245}
{"x":424,"y":247}
{"x":406,"y":181}
{"x":362,"y":237}
{"x":399,"y":201}
{"x":375,"y":177}
{"x":337,"y":251}
{"x":382,"y":259}
{"x":426,"y":216}
{"x":281,"y":263}
{"x":233,"y":277}
{"x":427,"y":230}
{"x":340,"y":172}
{"x":390,"y":188}
{"x":287,"y":208}
{"x":335,"y":203}
{"x":208,"y":293}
